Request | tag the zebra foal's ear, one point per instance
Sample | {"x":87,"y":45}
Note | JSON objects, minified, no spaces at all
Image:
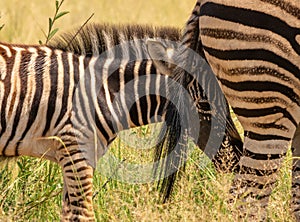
{"x":162,"y":56}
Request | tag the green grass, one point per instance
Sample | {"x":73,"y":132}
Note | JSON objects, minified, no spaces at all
{"x":30,"y":188}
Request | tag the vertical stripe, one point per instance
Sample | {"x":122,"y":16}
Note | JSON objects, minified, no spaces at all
{"x":3,"y":70}
{"x":27,"y":74}
{"x":52,"y":97}
{"x":66,"y":60}
{"x":12,"y":116}
{"x":157,"y":92}
{"x":60,"y":89}
{"x":122,"y":92}
{"x":7,"y":50}
{"x":136,"y":93}
{"x":103,"y":132}
{"x":148,"y":87}
{"x":105,"y":77}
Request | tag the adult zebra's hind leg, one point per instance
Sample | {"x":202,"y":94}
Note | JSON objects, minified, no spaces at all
{"x":78,"y":185}
{"x":259,"y":168}
{"x":295,"y":202}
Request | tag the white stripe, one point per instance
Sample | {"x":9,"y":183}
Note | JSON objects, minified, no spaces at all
{"x":31,"y":87}
{"x":136,"y":93}
{"x":106,"y":90}
{"x":122,"y":92}
{"x":157,"y":93}
{"x":94,"y":94}
{"x":82,"y":90}
{"x":15,"y":83}
{"x":8,"y":52}
{"x":266,"y":147}
{"x":2,"y":68}
{"x":40,"y":123}
{"x":60,"y":88}
{"x":147,"y":85}
{"x":11,"y":108}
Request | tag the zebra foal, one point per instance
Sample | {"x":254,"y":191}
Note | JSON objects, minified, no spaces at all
{"x":74,"y":89}
{"x":253,"y":48}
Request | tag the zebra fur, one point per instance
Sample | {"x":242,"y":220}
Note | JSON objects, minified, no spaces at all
{"x":50,"y":89}
{"x":253,"y":48}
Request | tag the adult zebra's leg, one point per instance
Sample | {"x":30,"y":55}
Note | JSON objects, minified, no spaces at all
{"x":229,"y":154}
{"x":259,"y":168}
{"x":78,"y":184}
{"x":295,"y":202}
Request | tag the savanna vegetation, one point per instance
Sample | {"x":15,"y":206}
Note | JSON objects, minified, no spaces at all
{"x":30,"y":188}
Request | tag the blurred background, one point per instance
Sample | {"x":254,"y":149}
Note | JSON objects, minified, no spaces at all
{"x":24,"y":20}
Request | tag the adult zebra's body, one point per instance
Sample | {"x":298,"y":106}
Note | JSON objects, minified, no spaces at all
{"x":253,"y":48}
{"x":70,"y":91}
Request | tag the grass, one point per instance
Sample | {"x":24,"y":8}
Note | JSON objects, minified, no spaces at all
{"x":30,"y":189}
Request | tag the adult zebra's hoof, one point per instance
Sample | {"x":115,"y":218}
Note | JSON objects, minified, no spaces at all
{"x":295,"y":202}
{"x":248,"y":202}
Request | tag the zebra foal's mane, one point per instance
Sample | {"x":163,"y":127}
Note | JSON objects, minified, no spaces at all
{"x":91,"y":40}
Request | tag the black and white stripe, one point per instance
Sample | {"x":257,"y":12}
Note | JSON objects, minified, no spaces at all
{"x":54,"y":100}
{"x":253,"y":48}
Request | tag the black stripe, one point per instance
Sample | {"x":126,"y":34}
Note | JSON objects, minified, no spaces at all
{"x":264,"y":137}
{"x":153,"y":101}
{"x":264,"y":112}
{"x":255,"y":54}
{"x":128,"y":73}
{"x":53,"y":91}
{"x":72,"y":163}
{"x":81,"y":106}
{"x":266,"y":86}
{"x":144,"y":109}
{"x":165,"y":104}
{"x":83,"y":168}
{"x":10,"y":61}
{"x":76,"y":71}
{"x":74,"y":152}
{"x":66,"y":85}
{"x":153,"y":106}
{"x":289,"y":8}
{"x":253,"y":19}
{"x":260,"y":156}
{"x":75,"y":76}
{"x":141,"y":90}
{"x":23,"y":75}
{"x":153,"y":69}
{"x":39,"y":85}
{"x":101,"y":99}
{"x":257,"y":172}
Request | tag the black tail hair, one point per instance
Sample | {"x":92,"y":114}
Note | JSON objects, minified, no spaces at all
{"x":171,"y":152}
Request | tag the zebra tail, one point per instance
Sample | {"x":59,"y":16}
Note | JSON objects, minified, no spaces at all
{"x":170,"y":153}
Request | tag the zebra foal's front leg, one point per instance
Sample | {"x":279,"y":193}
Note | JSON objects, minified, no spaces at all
{"x":78,"y":185}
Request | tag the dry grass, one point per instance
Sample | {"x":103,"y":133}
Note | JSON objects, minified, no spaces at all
{"x":32,"y":192}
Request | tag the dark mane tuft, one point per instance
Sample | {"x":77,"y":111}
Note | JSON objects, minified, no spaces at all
{"x":91,"y":39}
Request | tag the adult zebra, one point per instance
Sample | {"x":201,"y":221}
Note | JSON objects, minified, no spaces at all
{"x":253,"y":48}
{"x":55,"y":99}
